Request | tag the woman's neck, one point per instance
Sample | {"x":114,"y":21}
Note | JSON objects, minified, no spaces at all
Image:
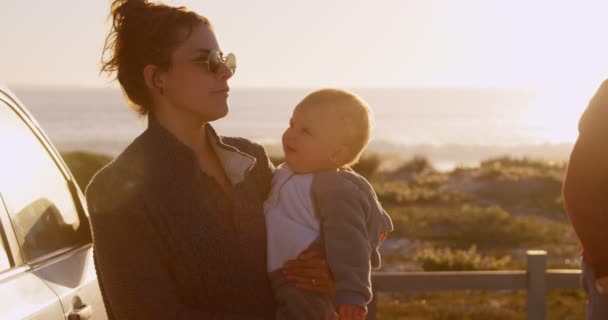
{"x":189,"y":131}
{"x":194,"y":134}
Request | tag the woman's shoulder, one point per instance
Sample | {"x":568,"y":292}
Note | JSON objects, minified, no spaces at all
{"x":118,"y":181}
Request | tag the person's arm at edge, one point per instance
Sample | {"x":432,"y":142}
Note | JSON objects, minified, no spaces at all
{"x":586,"y":182}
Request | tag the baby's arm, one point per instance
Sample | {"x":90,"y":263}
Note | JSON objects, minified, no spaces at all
{"x":342,"y":209}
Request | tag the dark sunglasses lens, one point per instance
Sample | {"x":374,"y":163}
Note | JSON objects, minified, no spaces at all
{"x":231,"y":62}
{"x":214,"y":61}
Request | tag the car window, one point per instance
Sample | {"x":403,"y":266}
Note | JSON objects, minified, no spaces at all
{"x":5,"y":263}
{"x":35,"y":191}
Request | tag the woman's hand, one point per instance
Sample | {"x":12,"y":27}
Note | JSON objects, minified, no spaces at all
{"x":601,"y":284}
{"x":310,"y":271}
{"x":351,"y":312}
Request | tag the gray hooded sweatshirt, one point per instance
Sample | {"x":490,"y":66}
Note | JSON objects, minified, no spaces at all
{"x":338,"y":208}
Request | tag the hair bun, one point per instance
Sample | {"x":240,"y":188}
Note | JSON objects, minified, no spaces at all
{"x":124,"y":8}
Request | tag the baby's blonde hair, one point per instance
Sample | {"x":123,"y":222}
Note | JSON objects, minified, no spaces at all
{"x":352,"y":115}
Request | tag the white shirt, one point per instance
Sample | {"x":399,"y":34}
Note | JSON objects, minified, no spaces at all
{"x":291,"y":223}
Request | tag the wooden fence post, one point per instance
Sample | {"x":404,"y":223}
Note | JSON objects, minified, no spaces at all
{"x":536,"y":304}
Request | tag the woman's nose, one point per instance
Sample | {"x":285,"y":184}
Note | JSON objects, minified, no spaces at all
{"x":224,"y":73}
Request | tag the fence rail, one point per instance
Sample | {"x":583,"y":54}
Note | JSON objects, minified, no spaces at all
{"x":536,"y":280}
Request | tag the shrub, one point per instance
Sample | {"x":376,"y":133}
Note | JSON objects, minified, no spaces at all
{"x":458,"y":260}
{"x":416,"y":165}
{"x":84,"y":165}
{"x":402,"y":193}
{"x":516,"y":168}
{"x":276,"y":160}
{"x":367,"y":165}
{"x":491,"y":227}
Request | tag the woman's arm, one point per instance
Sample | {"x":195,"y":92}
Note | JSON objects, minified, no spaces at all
{"x":132,"y":265}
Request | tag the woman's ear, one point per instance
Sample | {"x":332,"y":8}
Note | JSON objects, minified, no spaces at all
{"x":153,"y":79}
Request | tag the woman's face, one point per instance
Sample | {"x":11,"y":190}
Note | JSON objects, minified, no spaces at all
{"x":189,"y":85}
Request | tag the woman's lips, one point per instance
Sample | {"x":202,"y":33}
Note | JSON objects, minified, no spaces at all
{"x":221,"y":91}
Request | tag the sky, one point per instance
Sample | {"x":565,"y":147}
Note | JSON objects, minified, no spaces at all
{"x":548,"y":45}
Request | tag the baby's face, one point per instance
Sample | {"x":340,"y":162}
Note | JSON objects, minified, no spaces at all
{"x":310,"y":141}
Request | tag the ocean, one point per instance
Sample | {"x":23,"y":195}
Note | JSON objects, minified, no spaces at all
{"x":450,"y":126}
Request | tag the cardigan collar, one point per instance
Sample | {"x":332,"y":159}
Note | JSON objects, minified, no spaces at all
{"x":169,"y":153}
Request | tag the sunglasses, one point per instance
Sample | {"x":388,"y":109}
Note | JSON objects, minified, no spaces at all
{"x":216,"y":58}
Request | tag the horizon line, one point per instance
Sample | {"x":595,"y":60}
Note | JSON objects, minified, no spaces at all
{"x":274,"y":87}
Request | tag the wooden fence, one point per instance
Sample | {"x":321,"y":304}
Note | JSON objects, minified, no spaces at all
{"x":536,"y":280}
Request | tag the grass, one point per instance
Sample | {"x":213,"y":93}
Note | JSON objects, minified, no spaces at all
{"x":467,"y":305}
{"x":84,"y":165}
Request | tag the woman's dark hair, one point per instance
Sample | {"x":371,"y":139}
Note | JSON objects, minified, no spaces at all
{"x":143,"y":33}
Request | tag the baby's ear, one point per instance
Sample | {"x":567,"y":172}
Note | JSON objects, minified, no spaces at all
{"x":341,"y":155}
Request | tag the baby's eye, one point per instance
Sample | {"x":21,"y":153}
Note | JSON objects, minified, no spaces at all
{"x":306,"y":131}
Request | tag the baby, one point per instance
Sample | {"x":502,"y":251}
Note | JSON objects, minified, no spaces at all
{"x":317,"y":200}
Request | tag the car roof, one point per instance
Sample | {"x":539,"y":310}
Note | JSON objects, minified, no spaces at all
{"x":5,"y":91}
{"x":22,"y":110}
{"x":4,"y":88}
{"x":11,"y":95}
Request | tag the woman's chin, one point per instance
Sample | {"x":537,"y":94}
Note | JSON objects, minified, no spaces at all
{"x":218,"y":112}
{"x":223,"y":111}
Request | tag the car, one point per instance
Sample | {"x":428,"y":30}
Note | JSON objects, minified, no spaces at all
{"x":47,"y":269}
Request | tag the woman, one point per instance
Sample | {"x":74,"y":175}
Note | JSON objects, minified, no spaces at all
{"x":177,"y":218}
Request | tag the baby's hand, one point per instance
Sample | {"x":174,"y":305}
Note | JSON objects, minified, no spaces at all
{"x":351,"y":312}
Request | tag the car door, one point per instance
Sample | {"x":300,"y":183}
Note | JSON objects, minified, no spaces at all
{"x":47,"y":214}
{"x":23,"y":295}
